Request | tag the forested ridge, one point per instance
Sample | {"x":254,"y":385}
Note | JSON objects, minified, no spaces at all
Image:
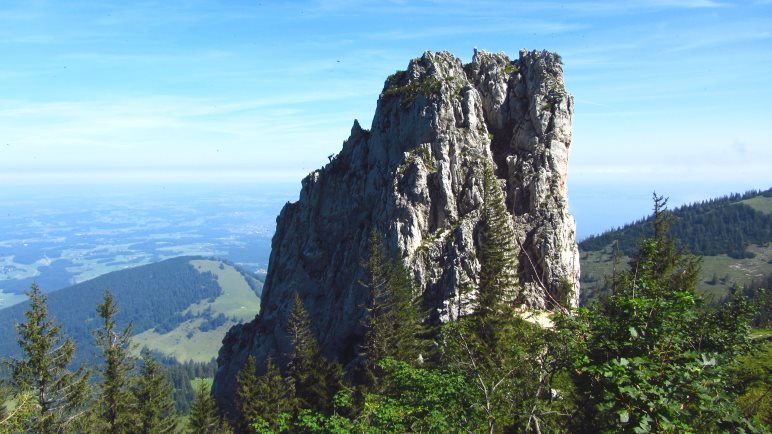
{"x":718,"y":226}
{"x":150,"y":296}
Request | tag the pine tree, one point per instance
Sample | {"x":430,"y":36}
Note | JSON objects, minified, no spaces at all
{"x":509,"y":362}
{"x":316,"y":379}
{"x":659,"y":259}
{"x":153,"y":392}
{"x":203,"y":417}
{"x":60,"y":394}
{"x":267,"y":401}
{"x":498,"y":257}
{"x":115,"y":397}
{"x":393,"y":320}
{"x":247,"y":400}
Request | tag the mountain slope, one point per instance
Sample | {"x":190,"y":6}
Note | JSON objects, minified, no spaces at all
{"x":157,"y":298}
{"x":732,"y":234}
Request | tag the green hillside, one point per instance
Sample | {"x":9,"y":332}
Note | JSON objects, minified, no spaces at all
{"x":199,"y":336}
{"x":180,"y":307}
{"x":732,"y":234}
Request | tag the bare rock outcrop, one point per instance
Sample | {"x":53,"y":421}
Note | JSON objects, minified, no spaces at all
{"x":416,"y":178}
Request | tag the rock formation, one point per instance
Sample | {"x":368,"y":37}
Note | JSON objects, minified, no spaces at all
{"x":416,"y":178}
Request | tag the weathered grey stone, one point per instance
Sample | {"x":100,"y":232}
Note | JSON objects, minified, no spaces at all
{"x":416,"y":178}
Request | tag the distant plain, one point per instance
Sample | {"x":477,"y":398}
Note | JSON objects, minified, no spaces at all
{"x":63,"y":237}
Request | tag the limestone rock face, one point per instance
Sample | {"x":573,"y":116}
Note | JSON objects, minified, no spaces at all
{"x":416,"y":178}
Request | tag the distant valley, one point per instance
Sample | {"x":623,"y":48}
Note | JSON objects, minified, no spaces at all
{"x":58,"y":241}
{"x":180,"y":308}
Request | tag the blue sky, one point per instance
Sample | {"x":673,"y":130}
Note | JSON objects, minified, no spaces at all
{"x":670,"y":95}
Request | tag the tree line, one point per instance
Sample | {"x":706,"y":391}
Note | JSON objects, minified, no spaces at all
{"x":714,"y":227}
{"x":119,"y":395}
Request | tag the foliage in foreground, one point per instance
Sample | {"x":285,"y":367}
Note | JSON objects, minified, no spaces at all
{"x":60,"y":395}
{"x":49,"y":397}
{"x":650,"y":357}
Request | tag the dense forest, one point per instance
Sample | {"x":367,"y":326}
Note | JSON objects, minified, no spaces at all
{"x":649,"y":356}
{"x":150,"y":296}
{"x":714,"y":227}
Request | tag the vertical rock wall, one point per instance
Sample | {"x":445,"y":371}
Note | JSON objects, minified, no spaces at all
{"x":416,"y":178}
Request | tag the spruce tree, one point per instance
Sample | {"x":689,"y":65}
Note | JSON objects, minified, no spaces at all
{"x":266,"y":401}
{"x":116,"y":402}
{"x":316,"y":379}
{"x":509,"y":362}
{"x":153,"y":392}
{"x":203,"y":417}
{"x":498,"y":257}
{"x":247,"y":395}
{"x":393,"y":320}
{"x":60,"y":394}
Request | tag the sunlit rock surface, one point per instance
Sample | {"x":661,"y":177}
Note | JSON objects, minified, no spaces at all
{"x":416,"y":178}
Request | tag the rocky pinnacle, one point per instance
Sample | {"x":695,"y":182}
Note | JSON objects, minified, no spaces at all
{"x":417,"y":179}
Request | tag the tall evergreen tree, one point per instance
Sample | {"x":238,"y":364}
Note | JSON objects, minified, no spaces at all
{"x":247,"y":399}
{"x":316,"y":379}
{"x":510,"y":363}
{"x":116,"y":402}
{"x":659,"y":259}
{"x":60,"y":393}
{"x":393,"y":319}
{"x":153,"y":392}
{"x":498,"y":257}
{"x":203,"y":418}
{"x":266,"y":401}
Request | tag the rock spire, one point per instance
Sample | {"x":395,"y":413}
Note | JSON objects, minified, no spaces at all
{"x":417,"y":179}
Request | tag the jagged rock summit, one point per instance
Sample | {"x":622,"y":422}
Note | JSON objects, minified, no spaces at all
{"x":417,"y":179}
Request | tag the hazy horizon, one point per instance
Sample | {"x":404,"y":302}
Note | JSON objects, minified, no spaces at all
{"x":670,"y":96}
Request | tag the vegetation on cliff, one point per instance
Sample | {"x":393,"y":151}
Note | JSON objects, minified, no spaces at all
{"x":648,"y":357}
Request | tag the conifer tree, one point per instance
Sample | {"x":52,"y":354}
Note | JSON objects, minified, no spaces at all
{"x":316,"y":379}
{"x":203,"y":418}
{"x":116,"y":402}
{"x":508,"y":361}
{"x":498,"y":257}
{"x":60,"y":393}
{"x":247,"y":399}
{"x":393,"y":320}
{"x":153,"y":392}
{"x":267,"y":400}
